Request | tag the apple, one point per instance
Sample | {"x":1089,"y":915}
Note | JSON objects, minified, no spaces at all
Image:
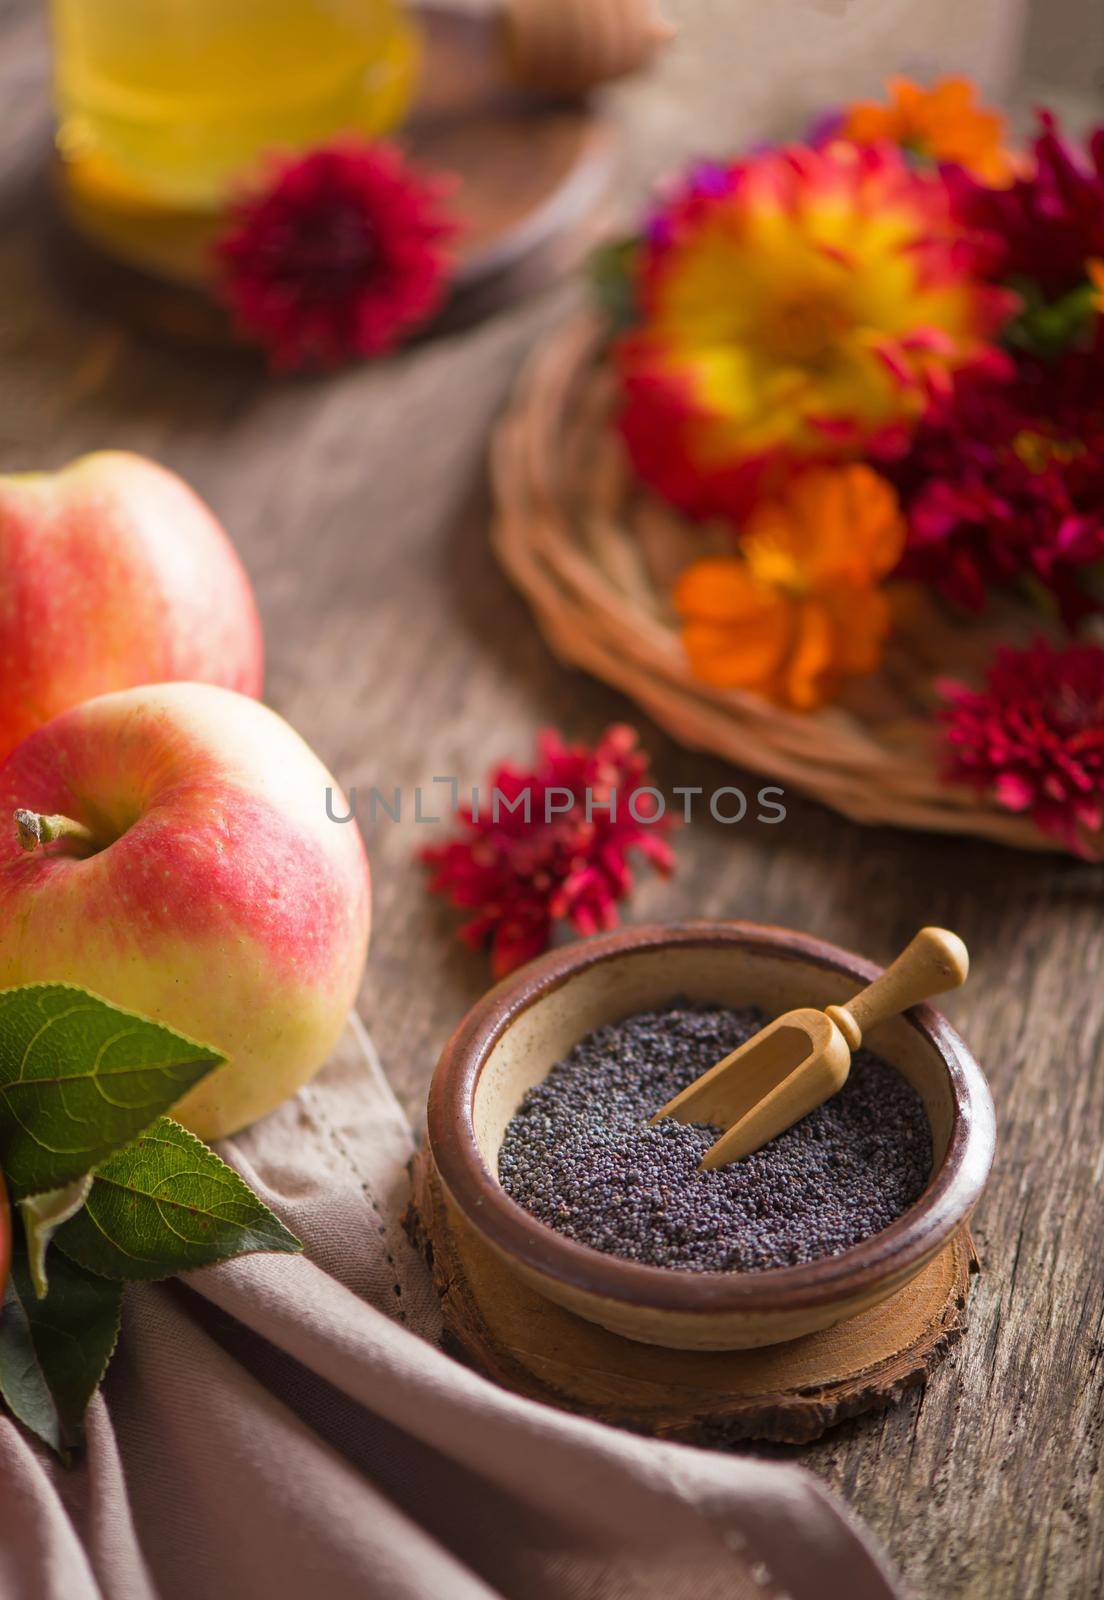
{"x":115,"y":574}
{"x":173,"y":854}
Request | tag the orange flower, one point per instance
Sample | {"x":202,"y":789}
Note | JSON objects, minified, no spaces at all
{"x":1096,"y":278}
{"x":798,"y":609}
{"x":942,"y":123}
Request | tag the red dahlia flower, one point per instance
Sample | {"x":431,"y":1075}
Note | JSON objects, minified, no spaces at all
{"x":1034,"y":739}
{"x":1044,"y":230}
{"x":1004,"y":485}
{"x":520,"y":873}
{"x":339,"y":255}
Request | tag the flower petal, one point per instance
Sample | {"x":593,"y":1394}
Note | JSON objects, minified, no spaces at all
{"x":813,"y":664}
{"x":718,"y":589}
{"x":743,"y":655}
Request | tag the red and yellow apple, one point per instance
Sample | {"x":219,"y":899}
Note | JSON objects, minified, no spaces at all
{"x":176,"y":858}
{"x":115,"y":574}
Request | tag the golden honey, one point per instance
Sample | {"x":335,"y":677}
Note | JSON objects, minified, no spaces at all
{"x":167,"y":103}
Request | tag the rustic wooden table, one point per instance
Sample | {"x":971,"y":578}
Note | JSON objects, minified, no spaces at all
{"x":360,"y":506}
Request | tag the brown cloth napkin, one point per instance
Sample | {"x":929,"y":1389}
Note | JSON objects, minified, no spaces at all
{"x":285,"y":1426}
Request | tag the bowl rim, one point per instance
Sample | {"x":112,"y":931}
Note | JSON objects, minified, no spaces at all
{"x":945,"y":1203}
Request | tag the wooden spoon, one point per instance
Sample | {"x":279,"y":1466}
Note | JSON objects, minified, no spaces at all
{"x":803,"y":1058}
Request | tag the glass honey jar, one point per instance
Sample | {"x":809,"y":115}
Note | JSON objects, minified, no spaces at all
{"x":167,"y":104}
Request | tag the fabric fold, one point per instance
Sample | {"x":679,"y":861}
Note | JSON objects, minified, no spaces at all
{"x":279,"y":1422}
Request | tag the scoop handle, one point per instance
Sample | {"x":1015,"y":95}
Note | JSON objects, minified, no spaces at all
{"x":935,"y":961}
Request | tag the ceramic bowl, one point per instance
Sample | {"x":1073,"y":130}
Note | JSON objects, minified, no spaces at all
{"x":513,"y":1036}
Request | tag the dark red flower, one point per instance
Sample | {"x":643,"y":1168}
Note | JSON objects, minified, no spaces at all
{"x":1034,"y":739}
{"x":339,"y":255}
{"x":1003,"y":485}
{"x":1044,"y":229}
{"x":523,"y":864}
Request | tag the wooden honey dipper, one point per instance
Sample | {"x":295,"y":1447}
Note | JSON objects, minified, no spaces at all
{"x":803,"y":1058}
{"x":549,"y":49}
{"x":570,"y":46}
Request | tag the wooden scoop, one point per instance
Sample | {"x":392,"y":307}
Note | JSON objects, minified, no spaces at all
{"x":797,"y":1062}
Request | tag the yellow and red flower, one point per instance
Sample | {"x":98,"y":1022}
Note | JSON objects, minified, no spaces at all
{"x":795,"y":308}
{"x":799,"y":609}
{"x":943,"y":123}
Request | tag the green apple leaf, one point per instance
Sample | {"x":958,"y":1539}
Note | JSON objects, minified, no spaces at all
{"x":613,"y":274}
{"x":43,"y":1215}
{"x":166,"y":1204}
{"x":54,"y":1352}
{"x":79,"y":1079}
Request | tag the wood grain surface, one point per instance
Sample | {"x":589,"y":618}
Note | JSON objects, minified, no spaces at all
{"x":360,"y":506}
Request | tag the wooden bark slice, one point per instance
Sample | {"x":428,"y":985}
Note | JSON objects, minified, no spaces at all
{"x":789,"y":1393}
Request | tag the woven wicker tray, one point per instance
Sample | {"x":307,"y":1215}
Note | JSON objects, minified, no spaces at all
{"x":595,"y":555}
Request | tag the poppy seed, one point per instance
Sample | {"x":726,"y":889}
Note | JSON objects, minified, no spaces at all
{"x":579,"y":1155}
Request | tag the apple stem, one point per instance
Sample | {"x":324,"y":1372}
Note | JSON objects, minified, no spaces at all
{"x":34,"y":829}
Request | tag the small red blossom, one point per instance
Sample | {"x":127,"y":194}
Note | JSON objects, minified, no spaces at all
{"x":339,"y":255}
{"x":533,"y":853}
{"x":1034,"y":739}
{"x":1003,"y":486}
{"x":1047,"y":224}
